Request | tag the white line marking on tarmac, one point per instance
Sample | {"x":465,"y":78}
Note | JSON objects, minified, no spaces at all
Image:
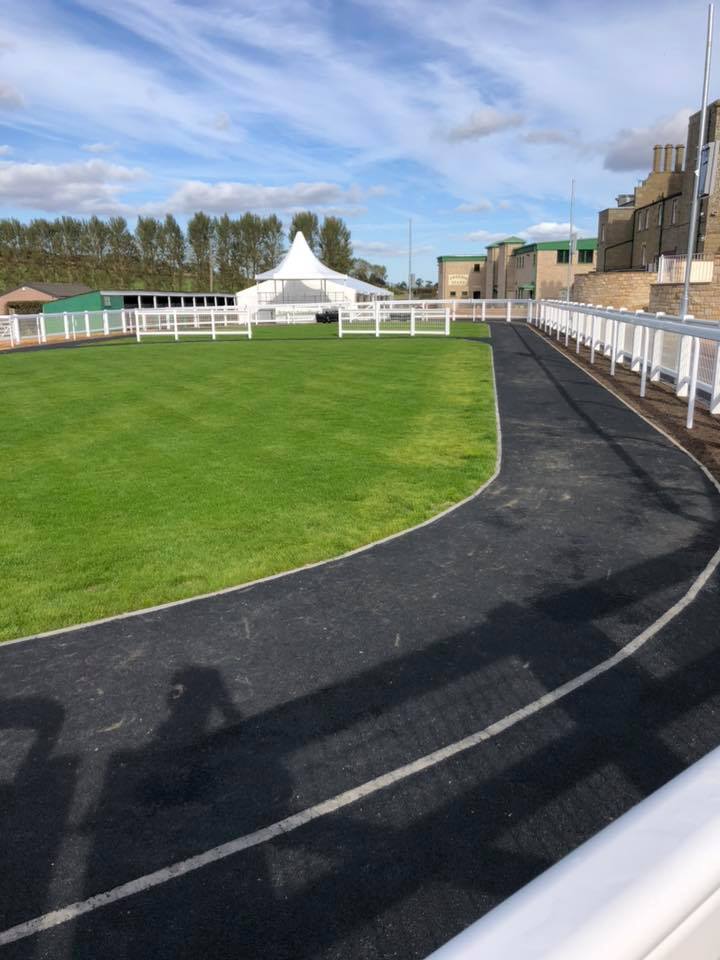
{"x":295,"y":821}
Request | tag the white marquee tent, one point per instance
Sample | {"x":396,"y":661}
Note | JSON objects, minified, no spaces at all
{"x":301,"y":279}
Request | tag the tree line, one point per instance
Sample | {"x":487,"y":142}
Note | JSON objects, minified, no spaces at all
{"x":225,"y":252}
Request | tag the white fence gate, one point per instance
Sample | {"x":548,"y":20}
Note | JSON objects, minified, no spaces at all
{"x":194,"y":321}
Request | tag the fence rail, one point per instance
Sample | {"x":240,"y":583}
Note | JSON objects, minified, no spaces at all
{"x":195,"y":321}
{"x":27,"y":328}
{"x":672,"y":269}
{"x":645,"y":888}
{"x":653,"y":345}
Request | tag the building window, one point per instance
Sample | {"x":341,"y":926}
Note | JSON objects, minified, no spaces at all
{"x":464,"y":294}
{"x":660,"y":215}
{"x":585,"y":256}
{"x":563,"y":256}
{"x":476,"y":268}
{"x":452,"y":293}
{"x":643,"y":255}
{"x":673,"y":211}
{"x":602,"y":233}
{"x":534,"y":259}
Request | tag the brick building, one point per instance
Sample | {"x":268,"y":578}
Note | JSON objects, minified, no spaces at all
{"x":540,"y":270}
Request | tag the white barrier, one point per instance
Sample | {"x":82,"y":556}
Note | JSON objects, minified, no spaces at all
{"x":28,"y":328}
{"x":422,"y":317}
{"x":645,"y":888}
{"x":684,"y":352}
{"x":193,"y":321}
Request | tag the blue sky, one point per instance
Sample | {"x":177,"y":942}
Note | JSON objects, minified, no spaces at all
{"x":469,"y":117}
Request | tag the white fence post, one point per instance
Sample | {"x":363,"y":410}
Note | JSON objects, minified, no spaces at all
{"x":645,"y":346}
{"x":106,"y":324}
{"x":593,"y":335}
{"x":656,"y":353}
{"x":694,"y":360}
{"x":682,"y":382}
{"x":508,"y":311}
{"x":454,"y":310}
{"x":137,"y":327}
{"x":87,"y":324}
{"x":66,"y":326}
{"x":123,"y":321}
{"x":636,"y":344}
{"x":15,"y":329}
{"x":175,"y":325}
{"x":212,"y":323}
{"x":447,"y":322}
{"x":376,"y":309}
{"x":483,"y":311}
{"x":42,"y":329}
{"x":412,"y":321}
{"x":340,"y":323}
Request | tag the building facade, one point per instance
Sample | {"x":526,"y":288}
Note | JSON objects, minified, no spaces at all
{"x":134,"y":299}
{"x":462,"y":277}
{"x":541,"y":270}
{"x":31,"y":297}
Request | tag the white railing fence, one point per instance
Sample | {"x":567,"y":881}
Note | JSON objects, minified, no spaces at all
{"x":194,"y":321}
{"x":423,"y":317}
{"x":653,"y":345}
{"x":672,"y":269}
{"x":645,"y":888}
{"x":24,"y":329}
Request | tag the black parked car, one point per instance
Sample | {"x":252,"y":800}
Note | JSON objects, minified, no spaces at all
{"x":327,"y":316}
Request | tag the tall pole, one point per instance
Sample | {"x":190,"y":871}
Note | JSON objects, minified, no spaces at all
{"x":410,"y":276}
{"x":685,"y":299}
{"x":570,"y":244}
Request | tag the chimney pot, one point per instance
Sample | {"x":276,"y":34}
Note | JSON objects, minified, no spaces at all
{"x":679,"y":158}
{"x":668,"y":158}
{"x":656,"y":158}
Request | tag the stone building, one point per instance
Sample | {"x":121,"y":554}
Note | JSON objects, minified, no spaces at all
{"x":540,"y":270}
{"x":462,"y":277}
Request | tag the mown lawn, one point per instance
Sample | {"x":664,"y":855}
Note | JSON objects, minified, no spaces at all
{"x":135,"y":474}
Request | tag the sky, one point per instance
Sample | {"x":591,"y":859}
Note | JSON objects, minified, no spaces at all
{"x":471,"y":118}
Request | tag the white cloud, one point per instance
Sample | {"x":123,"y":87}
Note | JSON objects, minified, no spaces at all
{"x":631,"y":149}
{"x":486,"y":236}
{"x":233,"y":197}
{"x":98,"y":147}
{"x":377,"y":248}
{"x":547,"y":230}
{"x":480,"y":206}
{"x":483,"y":123}
{"x":221,"y":121}
{"x":92,"y":186}
{"x":5,"y":150}
{"x":10,"y":97}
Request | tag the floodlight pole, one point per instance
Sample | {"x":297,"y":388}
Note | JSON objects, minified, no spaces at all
{"x":410,"y":290}
{"x":685,"y":299}
{"x":570,"y":244}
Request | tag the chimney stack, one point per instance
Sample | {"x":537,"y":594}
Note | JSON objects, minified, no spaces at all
{"x":679,"y":158}
{"x":668,"y":158}
{"x":656,"y":158}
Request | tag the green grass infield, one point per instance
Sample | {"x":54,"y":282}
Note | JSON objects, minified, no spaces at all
{"x":134,"y":474}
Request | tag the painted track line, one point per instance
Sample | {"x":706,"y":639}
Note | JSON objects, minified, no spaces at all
{"x":293,"y":822}
{"x":308,"y":566}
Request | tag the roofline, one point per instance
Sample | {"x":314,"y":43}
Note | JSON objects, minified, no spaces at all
{"x":588,"y":243}
{"x":469,"y":259}
{"x":150,"y":293}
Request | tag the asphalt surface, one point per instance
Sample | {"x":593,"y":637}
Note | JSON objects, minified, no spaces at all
{"x":128,"y":746}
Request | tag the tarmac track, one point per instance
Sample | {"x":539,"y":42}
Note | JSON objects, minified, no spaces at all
{"x":134,"y":745}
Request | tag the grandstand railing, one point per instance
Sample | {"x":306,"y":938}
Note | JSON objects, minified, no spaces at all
{"x":24,"y":329}
{"x":647,"y":887}
{"x":194,"y":321}
{"x":656,"y":346}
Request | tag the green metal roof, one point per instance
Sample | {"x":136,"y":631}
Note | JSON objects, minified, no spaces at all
{"x":588,"y":244}
{"x":511,"y":240}
{"x":473,"y":257}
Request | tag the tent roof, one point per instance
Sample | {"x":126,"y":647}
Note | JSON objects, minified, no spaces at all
{"x":300,"y":263}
